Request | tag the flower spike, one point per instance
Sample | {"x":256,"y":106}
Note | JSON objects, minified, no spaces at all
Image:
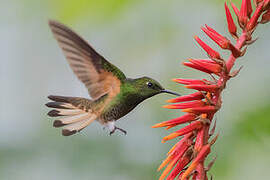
{"x":186,"y":159}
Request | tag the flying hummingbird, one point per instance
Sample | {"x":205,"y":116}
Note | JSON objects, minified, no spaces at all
{"x":113,"y":94}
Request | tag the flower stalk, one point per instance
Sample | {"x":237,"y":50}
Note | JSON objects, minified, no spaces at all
{"x":186,"y":159}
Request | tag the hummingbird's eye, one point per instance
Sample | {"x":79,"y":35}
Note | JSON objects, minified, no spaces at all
{"x":149,"y":84}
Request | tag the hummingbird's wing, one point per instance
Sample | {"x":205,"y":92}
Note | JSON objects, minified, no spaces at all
{"x":98,"y":75}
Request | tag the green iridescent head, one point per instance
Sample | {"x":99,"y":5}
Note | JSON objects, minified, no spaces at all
{"x":148,"y":87}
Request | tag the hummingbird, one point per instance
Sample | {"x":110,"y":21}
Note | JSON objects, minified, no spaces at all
{"x":113,"y":94}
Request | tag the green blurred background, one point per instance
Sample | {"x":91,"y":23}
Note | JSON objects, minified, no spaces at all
{"x":150,"y":37}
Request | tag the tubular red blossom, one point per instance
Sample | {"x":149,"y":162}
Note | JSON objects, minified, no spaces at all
{"x":194,"y":66}
{"x":223,"y":42}
{"x":189,"y":81}
{"x":243,"y":16}
{"x":249,"y":8}
{"x":200,"y":139}
{"x":199,"y":158}
{"x":212,"y":67}
{"x":190,"y":97}
{"x":186,"y":137}
{"x":199,"y":87}
{"x":199,"y":110}
{"x":179,"y":167}
{"x":188,"y":117}
{"x":185,"y":105}
{"x":211,"y":53}
{"x":193,"y":126}
{"x":231,"y":25}
{"x":254,"y":19}
{"x":186,"y":159}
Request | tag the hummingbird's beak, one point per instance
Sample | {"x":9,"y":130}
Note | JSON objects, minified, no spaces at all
{"x":170,"y":92}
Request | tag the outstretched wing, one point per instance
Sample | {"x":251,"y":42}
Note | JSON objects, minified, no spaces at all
{"x":98,"y":75}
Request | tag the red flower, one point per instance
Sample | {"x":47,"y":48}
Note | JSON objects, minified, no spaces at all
{"x":186,"y":158}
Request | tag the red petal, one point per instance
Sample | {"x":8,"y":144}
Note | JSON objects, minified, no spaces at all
{"x":212,"y":53}
{"x":243,"y":12}
{"x":254,"y":19}
{"x":230,"y":22}
{"x":199,"y":110}
{"x":200,"y":157}
{"x":185,"y":105}
{"x":195,"y":96}
{"x":194,"y":66}
{"x":189,"y":81}
{"x":187,"y":129}
{"x":204,"y":60}
{"x":249,"y":8}
{"x":179,"y":120}
{"x":223,"y":42}
{"x":179,"y":167}
{"x":199,"y":87}
{"x":213,"y":67}
{"x":200,"y":139}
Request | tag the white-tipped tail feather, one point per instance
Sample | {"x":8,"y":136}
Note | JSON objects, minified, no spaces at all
{"x":73,"y":114}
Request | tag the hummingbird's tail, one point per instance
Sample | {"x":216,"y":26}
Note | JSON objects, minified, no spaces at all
{"x":74,"y":113}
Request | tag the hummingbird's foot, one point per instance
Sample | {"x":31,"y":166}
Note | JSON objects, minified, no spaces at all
{"x":117,"y":128}
{"x":122,"y":130}
{"x":111,"y":132}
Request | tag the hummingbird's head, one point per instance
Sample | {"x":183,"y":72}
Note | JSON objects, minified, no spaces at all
{"x":148,"y":87}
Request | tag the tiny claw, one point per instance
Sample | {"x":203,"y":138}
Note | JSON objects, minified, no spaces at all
{"x":122,"y":130}
{"x":113,"y":131}
{"x":235,"y":73}
{"x":117,"y":128}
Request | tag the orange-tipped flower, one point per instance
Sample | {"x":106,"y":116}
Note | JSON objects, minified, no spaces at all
{"x":184,"y":130}
{"x":199,"y":110}
{"x":185,"y":105}
{"x":186,"y":159}
{"x":188,"y":117}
